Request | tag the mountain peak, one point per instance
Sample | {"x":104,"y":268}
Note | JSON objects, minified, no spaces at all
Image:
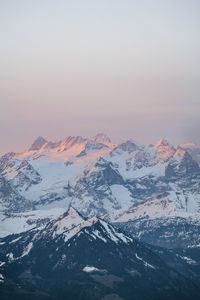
{"x":71,"y":213}
{"x":68,"y":221}
{"x":190,"y":145}
{"x":164,"y":149}
{"x":163,"y":142}
{"x":101,"y":138}
{"x":37,"y":144}
{"x":127,"y":146}
{"x":71,"y":223}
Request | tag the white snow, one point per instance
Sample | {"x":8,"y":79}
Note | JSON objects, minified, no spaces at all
{"x":181,"y":205}
{"x":15,"y":240}
{"x":50,"y":163}
{"x":97,"y":234}
{"x":55,"y":174}
{"x":1,"y":278}
{"x":188,"y":260}
{"x":145,"y":263}
{"x":68,"y":225}
{"x":164,"y":150}
{"x":20,"y":222}
{"x":2,"y":263}
{"x":194,"y":246}
{"x":113,"y":234}
{"x":74,"y":230}
{"x":122,"y":195}
{"x":10,"y":256}
{"x":90,"y":269}
{"x":28,"y":249}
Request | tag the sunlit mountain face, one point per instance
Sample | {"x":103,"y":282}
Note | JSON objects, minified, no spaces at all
{"x":86,"y":218}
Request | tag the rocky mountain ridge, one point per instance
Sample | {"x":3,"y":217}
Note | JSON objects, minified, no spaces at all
{"x":75,"y":257}
{"x":127,"y":183}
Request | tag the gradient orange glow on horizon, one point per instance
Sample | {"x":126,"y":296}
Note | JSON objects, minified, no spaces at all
{"x":126,"y":68}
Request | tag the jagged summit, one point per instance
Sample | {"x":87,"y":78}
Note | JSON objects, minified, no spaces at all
{"x":71,"y":213}
{"x":164,"y":149}
{"x":163,"y":142}
{"x":61,"y":145}
{"x":190,"y":145}
{"x":66,"y":222}
{"x":72,"y":140}
{"x":101,"y":138}
{"x":37,"y":144}
{"x":96,"y":179}
{"x":129,"y":146}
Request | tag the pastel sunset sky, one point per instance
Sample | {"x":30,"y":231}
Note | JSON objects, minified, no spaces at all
{"x":129,"y":68}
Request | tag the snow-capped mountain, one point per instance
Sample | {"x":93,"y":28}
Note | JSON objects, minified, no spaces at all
{"x":37,"y":144}
{"x":164,"y":150}
{"x":193,"y":149}
{"x":102,"y":138}
{"x":138,"y":187}
{"x":74,"y":257}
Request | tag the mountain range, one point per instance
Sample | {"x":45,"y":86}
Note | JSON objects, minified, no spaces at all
{"x":92,"y":219}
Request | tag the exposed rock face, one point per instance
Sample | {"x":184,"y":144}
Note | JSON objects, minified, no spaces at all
{"x":164,"y":150}
{"x":101,"y":138}
{"x":186,"y":168}
{"x":10,"y":199}
{"x":37,"y":144}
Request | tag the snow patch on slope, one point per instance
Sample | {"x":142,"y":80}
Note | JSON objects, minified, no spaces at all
{"x":91,"y":269}
{"x":145,"y":263}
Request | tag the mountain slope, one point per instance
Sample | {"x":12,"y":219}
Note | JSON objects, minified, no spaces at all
{"x":148,"y":187}
{"x":185,"y":260}
{"x":82,"y":258}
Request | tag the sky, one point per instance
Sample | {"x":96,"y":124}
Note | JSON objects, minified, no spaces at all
{"x":129,"y":68}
